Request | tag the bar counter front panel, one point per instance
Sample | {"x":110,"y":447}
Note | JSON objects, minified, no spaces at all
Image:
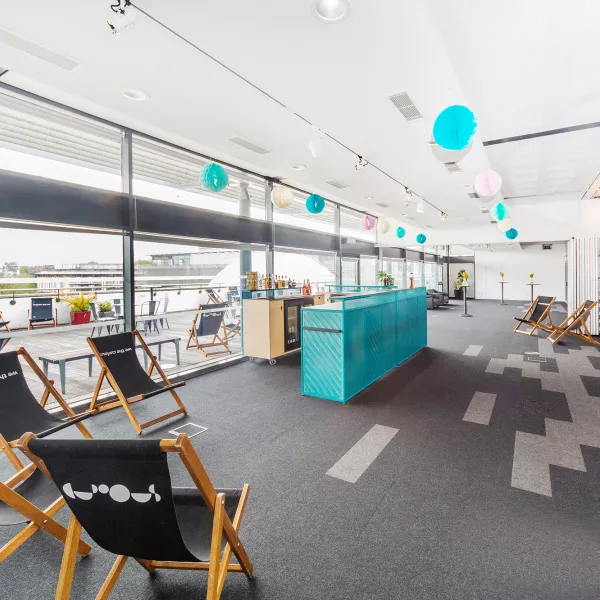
{"x":349,"y":344}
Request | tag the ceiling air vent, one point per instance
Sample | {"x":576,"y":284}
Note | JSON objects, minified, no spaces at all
{"x":405,"y":105}
{"x":249,"y":145}
{"x":452,"y":167}
{"x":485,"y":210}
{"x":473,"y":195}
{"x":20,"y":43}
{"x":546,"y":246}
{"x":337,"y":184}
{"x":382,"y":204}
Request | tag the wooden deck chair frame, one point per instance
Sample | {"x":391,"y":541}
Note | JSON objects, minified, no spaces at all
{"x":193,"y":339}
{"x":125,"y":402}
{"x":575,"y":325}
{"x":213,"y":296}
{"x":219,"y":564}
{"x":5,"y":327}
{"x":544,"y":322}
{"x":7,"y":446}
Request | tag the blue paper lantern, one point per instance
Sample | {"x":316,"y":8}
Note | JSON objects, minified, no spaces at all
{"x":512,"y":234}
{"x":214,"y":177}
{"x":454,"y":127}
{"x":400,"y":232}
{"x":421,"y":238}
{"x":499,"y":211}
{"x":315,"y":204}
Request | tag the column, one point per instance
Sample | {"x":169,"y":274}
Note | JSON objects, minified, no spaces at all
{"x":129,"y":232}
{"x":244,"y":206}
{"x":582,"y":276}
{"x":337,"y":232}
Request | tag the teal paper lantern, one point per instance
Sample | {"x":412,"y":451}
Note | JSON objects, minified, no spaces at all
{"x":454,"y":127}
{"x":499,"y":211}
{"x":512,"y":234}
{"x":421,"y":238}
{"x":400,"y":232}
{"x":315,"y":204}
{"x":214,"y":177}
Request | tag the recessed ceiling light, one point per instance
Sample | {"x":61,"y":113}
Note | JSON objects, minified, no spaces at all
{"x":331,"y":11}
{"x":299,"y":167}
{"x":135,"y":94}
{"x":369,"y":197}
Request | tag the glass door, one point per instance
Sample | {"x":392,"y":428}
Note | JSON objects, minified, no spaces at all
{"x":349,"y":271}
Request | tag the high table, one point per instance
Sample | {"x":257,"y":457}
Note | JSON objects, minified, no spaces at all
{"x":502,"y":292}
{"x":350,"y":343}
{"x":465,"y":314}
{"x":532,"y":284}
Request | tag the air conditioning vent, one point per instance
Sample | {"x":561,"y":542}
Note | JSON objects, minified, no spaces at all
{"x":485,"y":210}
{"x":20,"y":43}
{"x":382,"y":205}
{"x":473,"y":195}
{"x":409,"y":218}
{"x":337,"y":184}
{"x":405,"y":105}
{"x":546,"y":246}
{"x":452,"y":167}
{"x":249,"y":145}
{"x":429,"y":226}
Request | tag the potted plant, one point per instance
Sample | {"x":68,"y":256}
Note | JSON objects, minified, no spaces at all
{"x":531,"y":277}
{"x":459,"y":282}
{"x":106,"y":309}
{"x":385,"y":279}
{"x":80,"y":307}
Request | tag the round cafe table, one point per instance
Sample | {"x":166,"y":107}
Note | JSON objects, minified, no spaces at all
{"x":465,"y":314}
{"x":532,"y":284}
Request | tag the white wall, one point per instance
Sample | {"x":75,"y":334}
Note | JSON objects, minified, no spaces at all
{"x":547,"y":265}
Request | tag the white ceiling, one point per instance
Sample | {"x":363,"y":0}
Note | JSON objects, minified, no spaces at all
{"x":521,"y":66}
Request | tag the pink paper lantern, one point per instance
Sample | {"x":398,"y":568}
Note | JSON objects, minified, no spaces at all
{"x":487,"y":184}
{"x":368,"y":222}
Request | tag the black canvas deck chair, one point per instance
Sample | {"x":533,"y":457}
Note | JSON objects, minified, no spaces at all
{"x":213,"y":297}
{"x":537,"y":316}
{"x":42,"y":313}
{"x":575,"y":325}
{"x":121,"y":493}
{"x":209,"y":324}
{"x":28,"y":489}
{"x":120,"y":366}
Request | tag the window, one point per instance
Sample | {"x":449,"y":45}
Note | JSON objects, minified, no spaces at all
{"x":298,"y":216}
{"x":397,"y":269}
{"x":172,"y":175}
{"x":351,"y":226}
{"x":349,"y":271}
{"x":368,"y":270}
{"x":39,"y":139}
{"x":298,"y":265}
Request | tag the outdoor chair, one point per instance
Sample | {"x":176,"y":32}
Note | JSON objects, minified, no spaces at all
{"x":28,"y":489}
{"x":41,"y":313}
{"x":130,"y":382}
{"x":233,"y":325}
{"x":537,"y":316}
{"x":209,"y":324}
{"x":213,"y":296}
{"x":575,"y":325}
{"x":4,"y":327}
{"x":99,"y":320}
{"x":150,"y":311}
{"x":120,"y":492}
{"x":161,"y":309}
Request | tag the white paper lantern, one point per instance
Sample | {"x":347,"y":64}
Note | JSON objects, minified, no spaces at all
{"x":382,"y":226}
{"x":282,"y":196}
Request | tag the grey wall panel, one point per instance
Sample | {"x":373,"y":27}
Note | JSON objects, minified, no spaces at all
{"x":359,"y":248}
{"x":393,"y":252}
{"x":29,"y":198}
{"x":293,"y":237}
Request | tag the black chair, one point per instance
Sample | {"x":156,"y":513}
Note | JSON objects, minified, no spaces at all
{"x":537,"y":316}
{"x":122,"y":369}
{"x":207,"y":324}
{"x":121,"y":493}
{"x":42,"y":313}
{"x":20,"y":412}
{"x":213,"y":296}
{"x":444,"y":295}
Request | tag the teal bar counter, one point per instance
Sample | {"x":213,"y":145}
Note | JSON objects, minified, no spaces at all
{"x":353,"y":341}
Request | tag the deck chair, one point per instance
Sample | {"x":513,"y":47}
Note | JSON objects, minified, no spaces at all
{"x":233,"y":325}
{"x":537,"y":316}
{"x":28,"y":489}
{"x":206,"y":324}
{"x":575,"y":325}
{"x":41,"y":313}
{"x":4,"y":323}
{"x":120,"y":492}
{"x":213,"y":296}
{"x":122,"y":369}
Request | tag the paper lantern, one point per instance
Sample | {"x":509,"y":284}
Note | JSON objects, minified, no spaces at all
{"x":382,"y":226}
{"x":454,"y":127}
{"x":421,"y":238}
{"x":499,"y":212}
{"x":487,"y":184}
{"x":282,"y":196}
{"x":368,"y":222}
{"x":214,"y":177}
{"x":315,"y":204}
{"x":400,"y":232}
{"x":446,"y":156}
{"x":512,"y":234}
{"x":505,"y":224}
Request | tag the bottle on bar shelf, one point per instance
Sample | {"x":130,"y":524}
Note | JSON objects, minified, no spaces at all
{"x":308,"y":287}
{"x":268,"y":281}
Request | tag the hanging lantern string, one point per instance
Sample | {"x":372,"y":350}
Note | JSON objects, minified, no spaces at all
{"x":272,"y":98}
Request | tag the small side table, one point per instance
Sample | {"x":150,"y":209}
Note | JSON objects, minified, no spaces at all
{"x":465,"y":314}
{"x":502,"y":292}
{"x":532,"y":284}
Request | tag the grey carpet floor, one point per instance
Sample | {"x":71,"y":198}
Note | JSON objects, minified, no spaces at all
{"x":433,"y":517}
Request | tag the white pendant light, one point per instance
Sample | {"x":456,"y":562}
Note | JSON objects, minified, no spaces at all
{"x":315,"y":144}
{"x":420,"y":207}
{"x":331,"y":11}
{"x":407,"y":197}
